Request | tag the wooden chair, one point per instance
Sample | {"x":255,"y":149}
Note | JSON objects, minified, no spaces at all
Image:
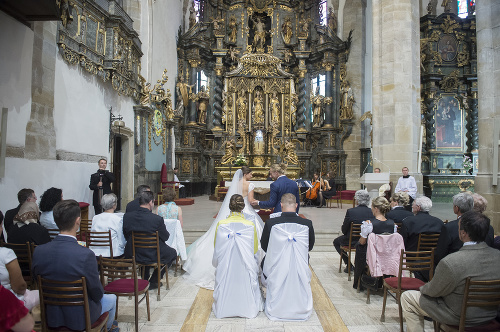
{"x":150,"y":241}
{"x":24,"y":257}
{"x":67,"y":293}
{"x":333,"y":198}
{"x":85,"y":226}
{"x":221,"y":190}
{"x":100,"y":239}
{"x":119,"y":277}
{"x":354,"y":235}
{"x":410,"y":261}
{"x":159,"y":200}
{"x":477,"y":294}
{"x":427,"y":241}
{"x":53,"y":233}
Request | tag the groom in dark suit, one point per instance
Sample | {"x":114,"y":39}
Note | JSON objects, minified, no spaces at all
{"x":281,"y":185}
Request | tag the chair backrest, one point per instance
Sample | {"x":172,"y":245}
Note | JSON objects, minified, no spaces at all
{"x":485,"y":293}
{"x":229,"y":234}
{"x":63,"y":293}
{"x":24,"y":256}
{"x":160,"y":199}
{"x":85,"y":226}
{"x":427,"y":241}
{"x":53,"y":232}
{"x":415,"y":261}
{"x":117,"y":268}
{"x":354,"y":233}
{"x":383,"y":253}
{"x":142,"y":240}
{"x":99,"y":239}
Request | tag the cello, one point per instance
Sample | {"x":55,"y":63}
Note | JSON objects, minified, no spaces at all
{"x":312,"y":193}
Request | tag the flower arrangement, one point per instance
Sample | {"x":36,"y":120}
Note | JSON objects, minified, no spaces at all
{"x":467,"y":164}
{"x":240,"y":160}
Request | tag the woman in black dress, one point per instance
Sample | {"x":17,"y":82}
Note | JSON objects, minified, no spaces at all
{"x":380,"y":206}
{"x":328,"y":189}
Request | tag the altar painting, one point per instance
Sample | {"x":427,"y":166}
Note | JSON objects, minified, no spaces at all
{"x":449,"y":123}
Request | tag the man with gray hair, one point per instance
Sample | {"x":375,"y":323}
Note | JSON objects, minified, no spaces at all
{"x":449,"y":241}
{"x":134,"y":205}
{"x":355,"y":215}
{"x":420,"y":222}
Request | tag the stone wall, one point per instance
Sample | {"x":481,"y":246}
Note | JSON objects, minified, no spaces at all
{"x":488,"y":76}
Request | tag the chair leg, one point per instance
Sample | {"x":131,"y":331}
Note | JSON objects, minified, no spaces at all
{"x":382,"y":317}
{"x":116,"y":311}
{"x":136,"y":312}
{"x":349,"y":266}
{"x":166,"y":277}
{"x":400,"y":308}
{"x":159,"y":282}
{"x":367,"y":294}
{"x":147,"y":306}
{"x":340,"y":264}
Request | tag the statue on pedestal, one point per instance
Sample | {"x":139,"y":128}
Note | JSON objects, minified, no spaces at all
{"x":275,"y":108}
{"x":258,"y":108}
{"x":332,"y":20}
{"x":233,"y":29}
{"x":241,"y":104}
{"x":203,"y":98}
{"x":347,"y":100}
{"x":286,"y":30}
{"x":230,"y":152}
{"x":259,"y":38}
{"x":317,"y":102}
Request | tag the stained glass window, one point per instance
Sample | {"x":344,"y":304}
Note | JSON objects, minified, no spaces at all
{"x":323,"y":11}
{"x":466,"y":7}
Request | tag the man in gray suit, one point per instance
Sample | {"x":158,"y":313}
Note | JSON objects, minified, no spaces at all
{"x":441,"y":298}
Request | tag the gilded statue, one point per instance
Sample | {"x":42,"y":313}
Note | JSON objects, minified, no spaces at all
{"x":288,"y":154}
{"x":287,"y":55}
{"x":259,"y":37}
{"x":233,"y":29}
{"x":233,"y":53}
{"x":286,"y":30}
{"x":347,"y":101}
{"x":446,"y":5}
{"x":203,"y":99}
{"x":146,"y":91}
{"x":241,"y":104}
{"x":230,"y":152}
{"x":258,"y":107}
{"x":275,"y":108}
{"x":304,"y":25}
{"x":192,"y":15}
{"x":317,"y":102}
{"x":332,"y":20}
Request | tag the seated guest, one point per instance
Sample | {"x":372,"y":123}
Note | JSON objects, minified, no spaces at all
{"x":379,"y":224}
{"x":328,"y":189}
{"x":354,"y":215}
{"x":143,"y":220}
{"x":49,"y":199}
{"x":109,"y":221}
{"x":398,"y":211}
{"x":26,"y":227}
{"x":441,"y":298}
{"x":134,"y":205}
{"x":480,"y":203}
{"x":23,"y":196}
{"x":14,"y":316}
{"x":288,"y":215}
{"x":182,"y":188}
{"x":449,"y":240}
{"x":421,"y":222}
{"x":12,"y":279}
{"x":169,"y":210}
{"x":64,"y":259}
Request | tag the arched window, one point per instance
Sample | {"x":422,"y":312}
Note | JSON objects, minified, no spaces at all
{"x":466,"y":8}
{"x":318,"y":81}
{"x":323,"y":12}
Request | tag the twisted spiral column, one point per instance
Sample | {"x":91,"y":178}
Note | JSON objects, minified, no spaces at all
{"x":217,"y":105}
{"x":301,"y":109}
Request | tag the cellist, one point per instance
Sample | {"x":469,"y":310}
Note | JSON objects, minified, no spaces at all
{"x":312,"y":193}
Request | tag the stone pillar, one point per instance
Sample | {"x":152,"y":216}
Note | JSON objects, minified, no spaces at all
{"x":488,"y":73}
{"x":40,"y":130}
{"x":396,"y":86}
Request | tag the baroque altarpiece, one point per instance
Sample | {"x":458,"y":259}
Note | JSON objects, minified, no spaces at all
{"x":246,"y":90}
{"x":448,"y":66}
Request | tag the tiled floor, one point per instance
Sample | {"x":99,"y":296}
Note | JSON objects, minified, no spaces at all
{"x":171,"y":312}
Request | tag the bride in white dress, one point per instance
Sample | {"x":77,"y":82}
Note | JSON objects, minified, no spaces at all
{"x":198,"y":264}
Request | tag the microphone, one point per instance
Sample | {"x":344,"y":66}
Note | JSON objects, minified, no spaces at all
{"x":382,"y":163}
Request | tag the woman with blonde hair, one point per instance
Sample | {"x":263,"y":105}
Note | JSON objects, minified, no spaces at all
{"x":398,"y":211}
{"x":379,"y":224}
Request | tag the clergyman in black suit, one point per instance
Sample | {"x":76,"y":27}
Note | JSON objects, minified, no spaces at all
{"x":143,"y":220}
{"x":449,"y":240}
{"x":288,"y":215}
{"x":63,"y":259}
{"x":421,"y":222}
{"x":354,"y":215}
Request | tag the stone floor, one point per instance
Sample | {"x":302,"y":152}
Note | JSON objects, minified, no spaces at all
{"x":186,"y":307}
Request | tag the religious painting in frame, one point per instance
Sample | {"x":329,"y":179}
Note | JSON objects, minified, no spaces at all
{"x":449,"y":123}
{"x":448,"y":47}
